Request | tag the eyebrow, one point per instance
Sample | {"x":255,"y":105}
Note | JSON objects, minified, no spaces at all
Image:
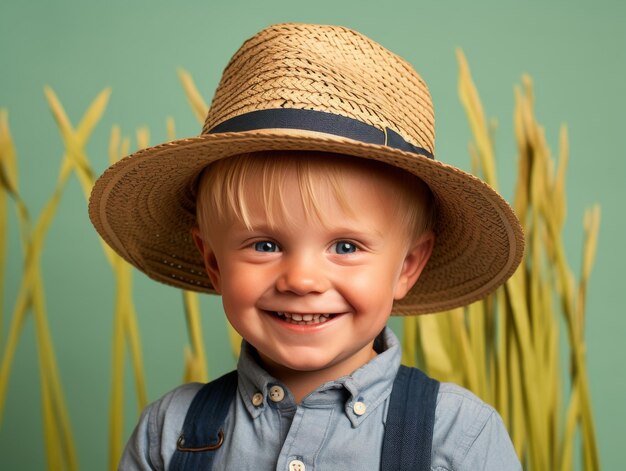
{"x":351,"y":230}
{"x":337,"y":231}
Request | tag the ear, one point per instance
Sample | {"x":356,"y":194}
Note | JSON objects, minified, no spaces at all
{"x":414,"y":262}
{"x":208,"y":257}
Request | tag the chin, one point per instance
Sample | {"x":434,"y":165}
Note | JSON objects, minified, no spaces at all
{"x":305,"y":366}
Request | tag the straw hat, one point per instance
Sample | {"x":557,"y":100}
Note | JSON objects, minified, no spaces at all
{"x":311,"y":87}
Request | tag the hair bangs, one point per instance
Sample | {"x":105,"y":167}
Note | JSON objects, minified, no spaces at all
{"x":231,"y":189}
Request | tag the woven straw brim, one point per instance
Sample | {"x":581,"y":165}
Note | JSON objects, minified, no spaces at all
{"x":144,"y":207}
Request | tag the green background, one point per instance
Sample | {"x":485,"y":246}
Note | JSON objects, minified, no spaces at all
{"x":575,"y":52}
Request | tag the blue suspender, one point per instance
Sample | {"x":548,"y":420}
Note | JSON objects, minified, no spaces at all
{"x":410,"y":421}
{"x":408,"y":437}
{"x":202,"y":431}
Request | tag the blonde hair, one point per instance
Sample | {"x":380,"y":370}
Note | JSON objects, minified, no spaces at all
{"x":223,"y":192}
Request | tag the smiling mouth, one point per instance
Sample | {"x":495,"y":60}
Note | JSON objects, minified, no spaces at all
{"x":303,"y":319}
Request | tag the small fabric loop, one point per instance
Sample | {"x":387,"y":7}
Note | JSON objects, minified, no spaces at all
{"x":202,"y":431}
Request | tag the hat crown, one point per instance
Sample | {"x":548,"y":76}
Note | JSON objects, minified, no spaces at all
{"x":325,"y":68}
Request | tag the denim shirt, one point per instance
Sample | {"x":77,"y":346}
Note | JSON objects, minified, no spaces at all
{"x":340,"y":425}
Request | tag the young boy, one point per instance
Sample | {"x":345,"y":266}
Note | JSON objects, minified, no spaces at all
{"x":313,"y":205}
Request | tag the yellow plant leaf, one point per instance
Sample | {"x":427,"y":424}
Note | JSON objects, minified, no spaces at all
{"x":476,"y":117}
{"x":409,"y":341}
{"x":476,"y":314}
{"x":569,"y":435}
{"x":467,"y":361}
{"x":198,"y":105}
{"x":170,"y":127}
{"x":199,"y":372}
{"x":48,"y":364}
{"x":143,"y":137}
{"x":432,"y":332}
{"x":235,"y":339}
{"x":134,"y":343}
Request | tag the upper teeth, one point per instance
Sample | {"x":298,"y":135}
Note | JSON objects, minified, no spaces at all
{"x":302,"y":317}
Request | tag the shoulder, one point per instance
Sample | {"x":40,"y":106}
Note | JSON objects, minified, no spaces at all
{"x":469,"y":434}
{"x":176,"y":401}
{"x":455,"y":404}
{"x":154,"y":439}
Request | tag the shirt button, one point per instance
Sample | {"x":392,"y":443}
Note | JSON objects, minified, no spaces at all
{"x":359,"y":408}
{"x":257,"y":399}
{"x":296,"y":465}
{"x":277,"y":394}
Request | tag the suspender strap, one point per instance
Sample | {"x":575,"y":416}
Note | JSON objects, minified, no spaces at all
{"x":202,"y":431}
{"x":408,"y":436}
{"x":408,"y":440}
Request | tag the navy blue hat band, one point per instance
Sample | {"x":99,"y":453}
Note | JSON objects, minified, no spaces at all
{"x":320,"y":121}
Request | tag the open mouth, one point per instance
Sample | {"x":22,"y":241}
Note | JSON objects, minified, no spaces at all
{"x":303,"y":319}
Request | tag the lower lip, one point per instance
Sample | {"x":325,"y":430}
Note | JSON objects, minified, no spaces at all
{"x":308,"y":328}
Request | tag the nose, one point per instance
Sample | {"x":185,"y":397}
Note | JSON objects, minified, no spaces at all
{"x":302,"y":274}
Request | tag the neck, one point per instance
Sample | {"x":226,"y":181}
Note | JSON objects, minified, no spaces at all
{"x":302,"y":383}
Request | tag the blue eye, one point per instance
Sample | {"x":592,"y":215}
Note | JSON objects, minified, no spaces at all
{"x":266,"y":246}
{"x":343,"y":247}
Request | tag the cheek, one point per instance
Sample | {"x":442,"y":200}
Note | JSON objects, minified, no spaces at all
{"x":370,"y":289}
{"x":242,"y":285}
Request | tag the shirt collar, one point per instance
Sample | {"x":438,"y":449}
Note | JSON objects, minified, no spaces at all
{"x":368,"y":386}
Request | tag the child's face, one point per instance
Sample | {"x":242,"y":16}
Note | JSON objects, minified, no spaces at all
{"x":309,"y":295}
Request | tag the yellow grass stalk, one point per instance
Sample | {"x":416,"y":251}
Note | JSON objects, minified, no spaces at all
{"x":195,"y":357}
{"x":196,"y":368}
{"x":519,"y":364}
{"x":575,"y":334}
{"x":198,"y":105}
{"x":200,"y":109}
{"x":116,"y":431}
{"x":8,"y":181}
{"x":569,"y":436}
{"x":51,"y":441}
{"x":143,"y":137}
{"x":476,"y":314}
{"x":120,"y":147}
{"x":56,"y":423}
{"x":170,"y":127}
{"x":125,"y":327}
{"x":23,"y":303}
{"x":503,"y":341}
{"x":431,"y":334}
{"x":476,"y":117}
{"x":409,"y":341}
{"x":465,"y":358}
{"x":5,"y":148}
{"x":592,"y":226}
{"x":515,"y":287}
{"x":31,"y":294}
{"x":59,"y":427}
{"x":8,"y":186}
{"x":518,"y":423}
{"x":235,"y":340}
